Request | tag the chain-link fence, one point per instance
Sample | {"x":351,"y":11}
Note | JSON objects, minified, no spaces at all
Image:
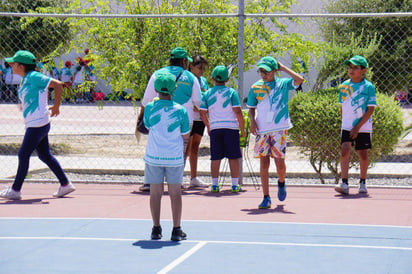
{"x":94,"y":134}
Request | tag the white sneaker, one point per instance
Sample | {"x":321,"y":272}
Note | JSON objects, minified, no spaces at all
{"x":196,"y":182}
{"x":362,"y":188}
{"x":343,"y":188}
{"x":11,"y":194}
{"x":64,"y":190}
{"x":144,"y":187}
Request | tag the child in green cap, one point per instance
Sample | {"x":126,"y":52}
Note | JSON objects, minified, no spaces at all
{"x":187,"y":92}
{"x":358,"y":100}
{"x":269,"y":97}
{"x":169,"y":132}
{"x":36,"y":112}
{"x":225,"y":118}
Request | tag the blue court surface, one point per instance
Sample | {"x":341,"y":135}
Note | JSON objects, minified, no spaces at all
{"x":54,"y":245}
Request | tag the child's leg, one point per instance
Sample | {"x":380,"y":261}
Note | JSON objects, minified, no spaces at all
{"x":264,"y":174}
{"x":234,"y":165}
{"x":175,"y":194}
{"x":280,"y":169}
{"x":43,"y":151}
{"x":156,"y":192}
{"x":214,"y":168}
{"x":31,"y":139}
{"x":364,"y":162}
{"x":345,"y":159}
{"x":194,"y":144}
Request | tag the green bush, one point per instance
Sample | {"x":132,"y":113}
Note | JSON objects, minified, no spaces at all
{"x":317,"y":124}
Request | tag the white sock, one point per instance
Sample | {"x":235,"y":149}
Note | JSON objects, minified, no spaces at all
{"x":215,"y":181}
{"x":235,"y":181}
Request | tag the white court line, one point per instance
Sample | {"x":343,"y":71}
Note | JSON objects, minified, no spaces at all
{"x":179,"y":260}
{"x":216,"y":242}
{"x":207,"y":221}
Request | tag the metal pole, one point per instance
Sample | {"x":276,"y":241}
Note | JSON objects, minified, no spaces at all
{"x":240,"y":47}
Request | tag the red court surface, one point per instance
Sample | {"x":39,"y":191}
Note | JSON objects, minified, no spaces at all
{"x":304,"y":204}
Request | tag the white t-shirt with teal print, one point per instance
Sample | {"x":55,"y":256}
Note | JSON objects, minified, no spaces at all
{"x":219,"y":101}
{"x":167,"y":122}
{"x":204,"y":86}
{"x":187,"y":92}
{"x":355,"y":99}
{"x":271,"y":102}
{"x":33,"y":96}
{"x":66,"y":75}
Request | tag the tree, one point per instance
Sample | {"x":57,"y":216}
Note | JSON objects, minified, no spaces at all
{"x":128,"y":51}
{"x":332,"y":69}
{"x":41,"y":36}
{"x":392,"y":61}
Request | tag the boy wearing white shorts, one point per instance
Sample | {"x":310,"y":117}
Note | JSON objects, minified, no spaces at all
{"x":169,"y":133}
{"x":270,"y":97}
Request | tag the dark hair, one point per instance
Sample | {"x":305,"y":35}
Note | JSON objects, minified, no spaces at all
{"x":197,"y":59}
{"x":177,"y":62}
{"x":29,"y":67}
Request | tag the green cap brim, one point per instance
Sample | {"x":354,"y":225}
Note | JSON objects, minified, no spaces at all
{"x":353,"y":62}
{"x":9,"y":60}
{"x":189,"y":59}
{"x":265,"y":67}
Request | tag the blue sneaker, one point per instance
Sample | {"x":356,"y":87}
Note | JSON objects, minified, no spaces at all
{"x":214,"y":188}
{"x":282,"y":193}
{"x":266,"y":203}
{"x":236,"y":188}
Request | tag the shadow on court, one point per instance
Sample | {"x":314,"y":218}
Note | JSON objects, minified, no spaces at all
{"x":151,"y":244}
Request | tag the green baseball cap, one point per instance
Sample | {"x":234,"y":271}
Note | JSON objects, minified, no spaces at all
{"x":180,"y":53}
{"x":220,"y":73}
{"x":23,"y":57}
{"x":268,"y":63}
{"x":357,"y":60}
{"x":165,"y":83}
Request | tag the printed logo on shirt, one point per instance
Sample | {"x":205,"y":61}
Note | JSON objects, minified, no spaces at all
{"x":261,"y":92}
{"x":346,"y":91}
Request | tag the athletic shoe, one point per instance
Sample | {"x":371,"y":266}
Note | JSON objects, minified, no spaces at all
{"x":156,"y":233}
{"x":145,"y":187}
{"x":11,"y":194}
{"x":343,"y":188}
{"x":64,"y":190}
{"x":362,"y":188}
{"x":282,"y":193}
{"x":195,"y":182}
{"x":215,"y":188}
{"x":178,"y":234}
{"x":236,"y":188}
{"x":266,"y":203}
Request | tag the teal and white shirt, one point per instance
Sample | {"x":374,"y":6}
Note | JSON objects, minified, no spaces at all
{"x":204,"y":86}
{"x":220,"y":101}
{"x":271,"y":102}
{"x":167,"y":121}
{"x":33,"y":96}
{"x":187,"y":92}
{"x":355,"y":98}
{"x":66,"y":75}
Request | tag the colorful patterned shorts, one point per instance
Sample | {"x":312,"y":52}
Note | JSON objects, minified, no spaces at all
{"x":271,"y":144}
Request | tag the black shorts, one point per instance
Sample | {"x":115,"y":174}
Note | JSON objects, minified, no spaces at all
{"x":198,"y":128}
{"x":224,"y":142}
{"x":363,"y":141}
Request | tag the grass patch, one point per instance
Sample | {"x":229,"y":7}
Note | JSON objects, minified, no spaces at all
{"x":56,"y":149}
